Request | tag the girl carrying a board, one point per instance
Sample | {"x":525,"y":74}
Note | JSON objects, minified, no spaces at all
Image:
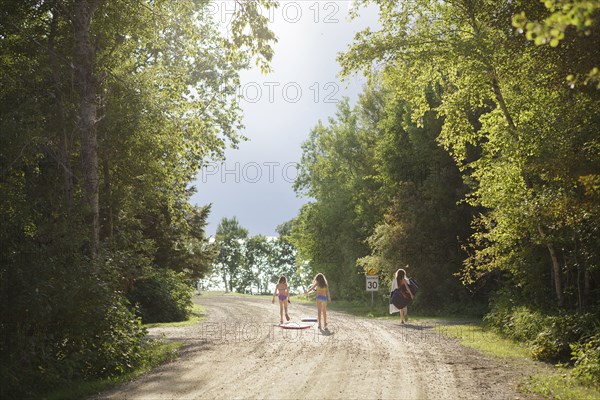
{"x":401,"y":295}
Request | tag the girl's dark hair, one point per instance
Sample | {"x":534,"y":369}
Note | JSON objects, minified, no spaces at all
{"x":282,"y":279}
{"x":400,"y":275}
{"x":321,"y":281}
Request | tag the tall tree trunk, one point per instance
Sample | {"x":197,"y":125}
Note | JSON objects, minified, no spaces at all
{"x":583,"y":278}
{"x":109,"y":223}
{"x":225,"y":282}
{"x":109,"y":231}
{"x":579,"y":288}
{"x":64,"y":158}
{"x":586,"y":287}
{"x":556,"y":270}
{"x":87,"y":87}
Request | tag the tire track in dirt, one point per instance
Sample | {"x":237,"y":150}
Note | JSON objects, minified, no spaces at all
{"x":238,"y":353}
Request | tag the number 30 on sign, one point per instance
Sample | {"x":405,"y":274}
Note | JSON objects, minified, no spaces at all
{"x":372,"y":283}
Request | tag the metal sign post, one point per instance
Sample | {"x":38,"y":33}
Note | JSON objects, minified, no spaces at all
{"x":372,"y":285}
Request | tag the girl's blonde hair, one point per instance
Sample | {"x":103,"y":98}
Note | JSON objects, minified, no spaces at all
{"x":320,"y":280}
{"x":282,"y":279}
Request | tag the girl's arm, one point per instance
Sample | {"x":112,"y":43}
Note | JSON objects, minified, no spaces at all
{"x":274,"y":293}
{"x":310,"y":289}
{"x":408,"y":288}
{"x":328,"y":296}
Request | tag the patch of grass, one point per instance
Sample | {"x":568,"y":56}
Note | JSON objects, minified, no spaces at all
{"x":381,"y":311}
{"x":303,"y":299}
{"x":156,"y":355}
{"x":360,"y":309}
{"x":559,"y":384}
{"x":197,"y":315}
{"x":474,"y":336}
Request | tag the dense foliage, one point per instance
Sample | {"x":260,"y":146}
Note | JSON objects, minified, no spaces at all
{"x":473,"y":154}
{"x":523,"y":136}
{"x":556,"y":336}
{"x":162,"y":296}
{"x":520,"y":161}
{"x":385,"y":197}
{"x":72,"y":325}
{"x":107,"y":111}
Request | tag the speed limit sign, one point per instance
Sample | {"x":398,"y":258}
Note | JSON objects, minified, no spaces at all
{"x":372,"y":283}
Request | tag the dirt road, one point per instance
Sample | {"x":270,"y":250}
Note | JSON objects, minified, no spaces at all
{"x":239,"y":353}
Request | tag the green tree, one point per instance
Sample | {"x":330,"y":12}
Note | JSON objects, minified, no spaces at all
{"x":507,"y":99}
{"x":337,"y":172}
{"x":283,"y":258}
{"x":424,"y":223}
{"x":107,"y":111}
{"x":258,"y":268}
{"x":230,"y":239}
{"x":574,"y":23}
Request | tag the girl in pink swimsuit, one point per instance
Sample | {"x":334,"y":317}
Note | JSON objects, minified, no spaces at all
{"x":320,"y":285}
{"x":284,"y":297}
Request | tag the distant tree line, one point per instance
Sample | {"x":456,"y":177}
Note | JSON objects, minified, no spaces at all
{"x":253,"y":264}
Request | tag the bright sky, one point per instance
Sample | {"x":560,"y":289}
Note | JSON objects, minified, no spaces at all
{"x":255,"y":182}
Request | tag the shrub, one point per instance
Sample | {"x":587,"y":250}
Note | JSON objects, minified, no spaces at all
{"x":500,"y":315}
{"x":525,"y":325}
{"x":587,"y":360}
{"x":518,"y":323}
{"x":118,"y":344}
{"x":162,"y":296}
{"x":551,"y":338}
{"x":65,"y":321}
{"x":559,"y":332}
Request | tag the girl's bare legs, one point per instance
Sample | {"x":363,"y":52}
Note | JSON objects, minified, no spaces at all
{"x":281,"y":311}
{"x":285,"y":305}
{"x":319,"y":308}
{"x":324,"y":309}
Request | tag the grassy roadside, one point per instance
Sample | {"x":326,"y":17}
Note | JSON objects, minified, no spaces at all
{"x":156,"y":356}
{"x":551,"y":381}
{"x":197,"y":315}
{"x":381,"y":311}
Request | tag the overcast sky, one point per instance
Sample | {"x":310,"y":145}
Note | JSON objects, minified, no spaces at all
{"x":255,"y":182}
